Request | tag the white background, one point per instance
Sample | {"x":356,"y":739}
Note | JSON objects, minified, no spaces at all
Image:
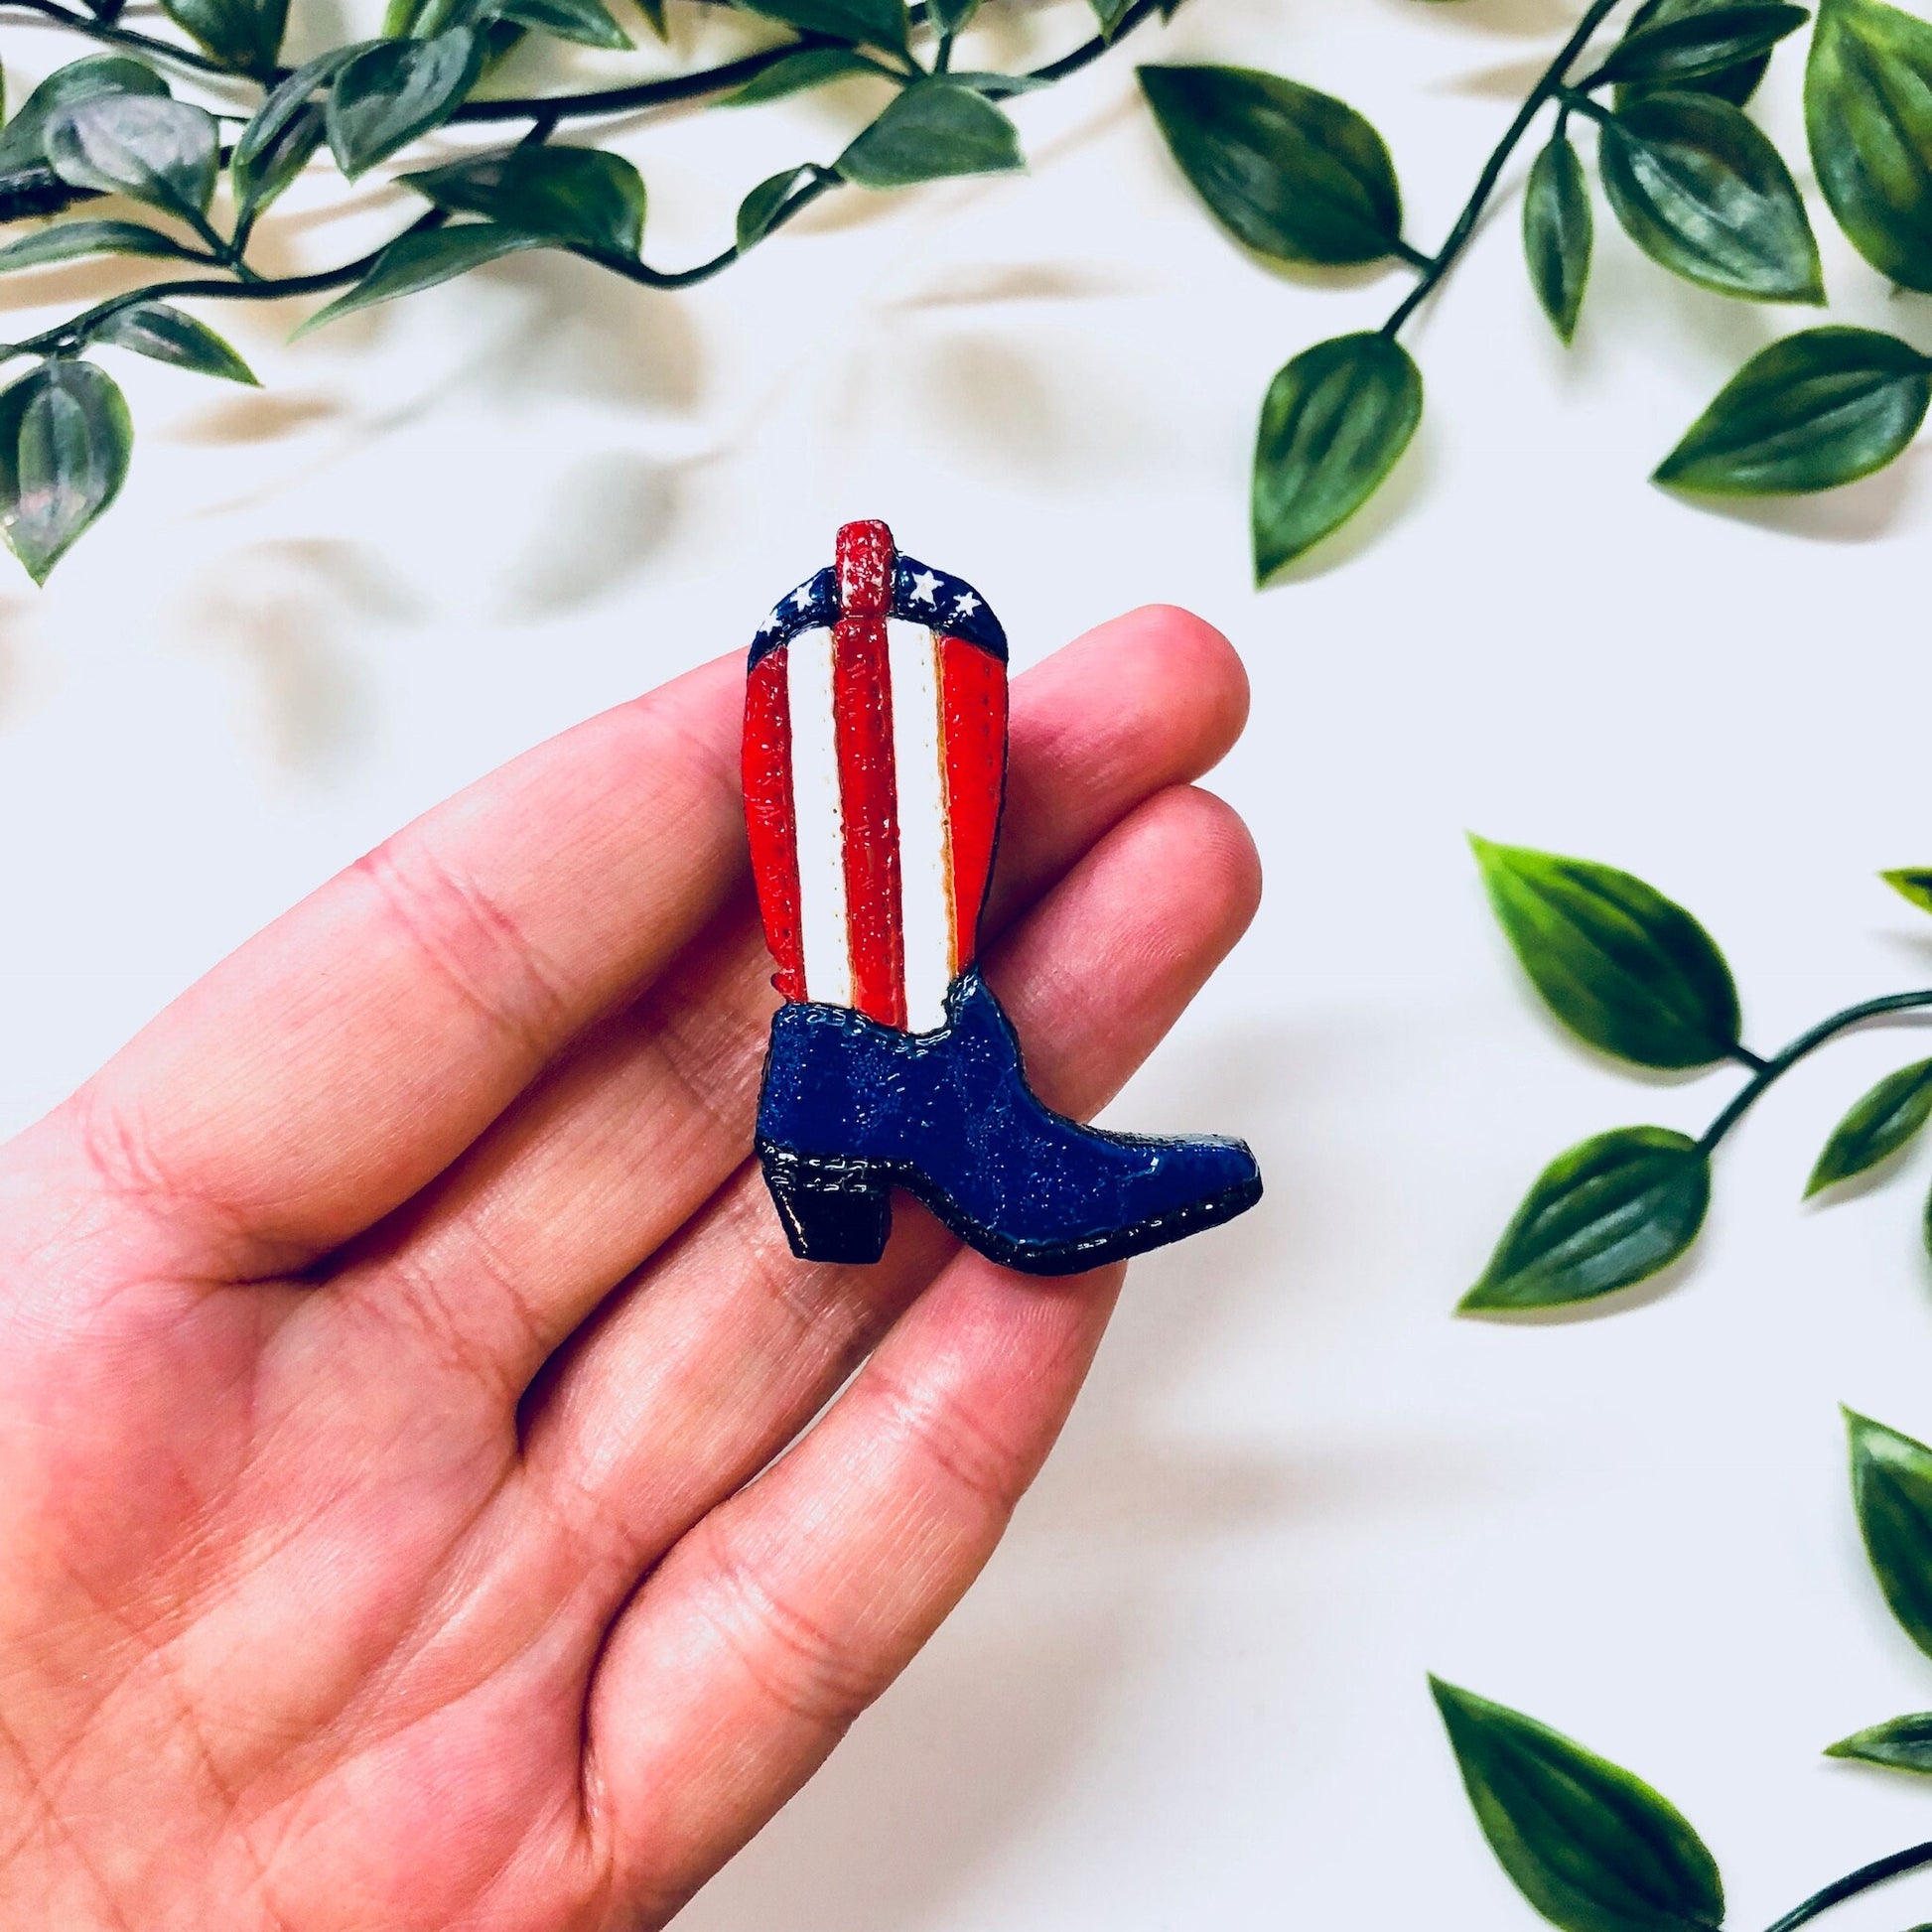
{"x":1190,"y":1692}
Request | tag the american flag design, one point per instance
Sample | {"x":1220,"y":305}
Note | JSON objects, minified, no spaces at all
{"x":874,"y":765}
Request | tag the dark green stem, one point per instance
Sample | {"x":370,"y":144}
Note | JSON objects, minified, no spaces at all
{"x":1089,"y":51}
{"x":683,"y":278}
{"x":1768,"y":1072}
{"x":1575,"y":99}
{"x":643,"y":94}
{"x":103,"y":30}
{"x":1853,"y":1883}
{"x":1546,"y":88}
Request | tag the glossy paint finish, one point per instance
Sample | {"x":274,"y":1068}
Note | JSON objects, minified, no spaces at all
{"x":874,"y":772}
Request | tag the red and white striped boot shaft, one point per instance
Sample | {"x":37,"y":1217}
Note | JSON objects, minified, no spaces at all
{"x":874,"y":763}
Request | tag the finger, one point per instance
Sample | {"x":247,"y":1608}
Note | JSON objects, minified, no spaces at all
{"x":621,"y":1142}
{"x":701,"y":1371}
{"x":788,"y":1609}
{"x":346,"y":1054}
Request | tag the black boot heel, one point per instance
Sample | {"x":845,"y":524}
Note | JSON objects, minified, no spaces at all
{"x":832,"y":1209}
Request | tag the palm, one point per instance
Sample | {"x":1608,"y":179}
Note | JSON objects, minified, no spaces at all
{"x":397,"y":1347}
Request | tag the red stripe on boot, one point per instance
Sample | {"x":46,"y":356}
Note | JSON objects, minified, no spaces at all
{"x":768,"y":817}
{"x":862,"y":700}
{"x":973,"y":710}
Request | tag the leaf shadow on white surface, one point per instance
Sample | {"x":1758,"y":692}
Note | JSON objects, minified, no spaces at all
{"x":1504,"y":80}
{"x":602,"y":522}
{"x":585,"y":334}
{"x":1001,"y":405}
{"x":283,"y":607}
{"x":12,"y":608}
{"x":997,"y":284}
{"x":1858,"y":512}
{"x":1522,"y":18}
{"x":73,"y":286}
{"x":254,"y":416}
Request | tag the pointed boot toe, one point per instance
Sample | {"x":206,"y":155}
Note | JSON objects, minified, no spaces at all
{"x":851,"y":1109}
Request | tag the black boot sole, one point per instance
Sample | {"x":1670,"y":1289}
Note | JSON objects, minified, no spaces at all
{"x":836,"y":1209}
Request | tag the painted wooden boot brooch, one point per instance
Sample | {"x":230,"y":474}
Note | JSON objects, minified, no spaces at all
{"x":874,"y":765}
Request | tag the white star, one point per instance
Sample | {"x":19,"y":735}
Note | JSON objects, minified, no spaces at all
{"x":965,"y":604}
{"x":769,"y":624}
{"x":925,"y":587}
{"x":802,"y":595}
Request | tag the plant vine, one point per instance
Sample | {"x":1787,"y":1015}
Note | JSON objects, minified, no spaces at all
{"x":109,"y":125}
{"x":1635,"y":976}
{"x":1294,"y":174}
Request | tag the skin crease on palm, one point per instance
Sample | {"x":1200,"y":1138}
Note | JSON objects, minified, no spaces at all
{"x":404,"y":1516}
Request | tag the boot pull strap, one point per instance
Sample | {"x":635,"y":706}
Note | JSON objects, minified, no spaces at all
{"x":866,"y":555}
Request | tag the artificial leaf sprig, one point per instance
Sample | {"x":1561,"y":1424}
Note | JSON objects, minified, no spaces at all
{"x":1299,"y":176}
{"x":1593,"y":1848}
{"x":109,"y":124}
{"x":1635,"y":976}
{"x":1891,"y":1490}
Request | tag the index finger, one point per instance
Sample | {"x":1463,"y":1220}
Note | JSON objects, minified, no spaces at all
{"x":337,"y":1061}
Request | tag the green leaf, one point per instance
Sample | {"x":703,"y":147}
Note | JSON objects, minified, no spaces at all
{"x":395,"y":90}
{"x":64,"y":241}
{"x":933,"y":129}
{"x":1817,"y":409}
{"x":1902,"y":1743}
{"x":584,"y":197}
{"x":760,"y":211}
{"x":1877,"y":1125}
{"x":1702,"y":190}
{"x":23,"y":142}
{"x":951,"y":16}
{"x":417,"y":262}
{"x":1664,"y":54}
{"x":64,"y":440}
{"x":1333,"y":423}
{"x":1868,"y":122}
{"x":587,"y":22}
{"x":272,"y":168}
{"x":1109,"y":13}
{"x":287,"y":129}
{"x":242,"y":34}
{"x":654,"y":11}
{"x":1296,"y":174}
{"x":434,"y":17}
{"x":873,"y":22}
{"x":155,"y":150}
{"x":1556,"y":234}
{"x":160,"y":331}
{"x":1891,"y":1488}
{"x":1911,"y":882}
{"x":1621,"y":966}
{"x":1735,"y":85}
{"x":1611,"y":1211}
{"x":1592,"y":1848}
{"x":807,"y":67}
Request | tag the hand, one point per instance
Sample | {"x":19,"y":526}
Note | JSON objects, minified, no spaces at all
{"x":398,"y":1352}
